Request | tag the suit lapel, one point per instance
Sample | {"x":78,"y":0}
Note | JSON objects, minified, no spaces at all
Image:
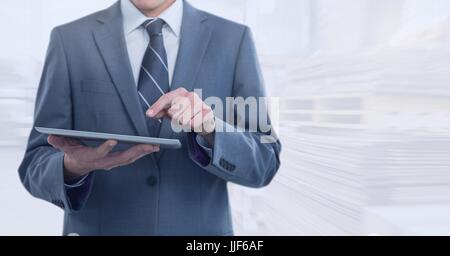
{"x":195,"y":36}
{"x":110,"y":39}
{"x":111,"y":43}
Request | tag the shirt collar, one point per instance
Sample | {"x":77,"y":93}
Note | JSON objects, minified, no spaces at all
{"x":133,"y":17}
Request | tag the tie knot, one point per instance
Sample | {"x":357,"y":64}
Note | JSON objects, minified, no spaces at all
{"x":154,"y":26}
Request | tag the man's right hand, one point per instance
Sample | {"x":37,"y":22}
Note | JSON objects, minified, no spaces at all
{"x":80,"y":160}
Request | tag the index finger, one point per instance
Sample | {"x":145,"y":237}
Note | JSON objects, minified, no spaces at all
{"x":165,"y":102}
{"x":105,"y":148}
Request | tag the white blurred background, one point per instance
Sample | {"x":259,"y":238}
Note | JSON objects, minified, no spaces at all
{"x":365,"y":122}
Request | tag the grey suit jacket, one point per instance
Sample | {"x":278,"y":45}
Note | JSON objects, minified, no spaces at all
{"x":87,"y":84}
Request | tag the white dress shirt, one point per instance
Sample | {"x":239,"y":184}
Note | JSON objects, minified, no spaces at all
{"x":137,"y":38}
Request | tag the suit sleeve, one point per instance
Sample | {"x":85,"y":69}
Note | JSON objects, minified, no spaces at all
{"x":244,"y":157}
{"x":42,"y":169}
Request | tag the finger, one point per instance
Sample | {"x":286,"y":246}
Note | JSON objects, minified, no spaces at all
{"x":135,"y":151}
{"x":196,"y":103}
{"x":165,"y":102}
{"x":105,"y":148}
{"x":184,"y":121}
{"x":204,"y":122}
{"x":56,"y":141}
{"x":116,"y":159}
{"x":130,"y":156}
{"x":191,"y":101}
{"x":200,"y":117}
{"x":161,"y":114}
{"x":184,"y":118}
{"x":64,"y":144}
{"x":72,"y":142}
{"x":179,"y":105}
{"x":179,"y":114}
{"x":196,"y":106}
{"x":196,"y":123}
{"x":141,"y":156}
{"x":187,"y":119}
{"x":209,"y":122}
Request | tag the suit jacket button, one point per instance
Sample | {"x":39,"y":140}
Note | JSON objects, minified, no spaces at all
{"x":152,"y":181}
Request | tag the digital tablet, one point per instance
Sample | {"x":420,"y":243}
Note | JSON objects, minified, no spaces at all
{"x":96,"y":136}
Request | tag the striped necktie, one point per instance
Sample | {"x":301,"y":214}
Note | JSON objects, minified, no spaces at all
{"x":154,"y":73}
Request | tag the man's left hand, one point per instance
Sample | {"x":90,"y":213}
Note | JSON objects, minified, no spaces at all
{"x":187,"y":110}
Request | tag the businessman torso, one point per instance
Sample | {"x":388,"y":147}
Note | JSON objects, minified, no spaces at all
{"x":167,"y":193}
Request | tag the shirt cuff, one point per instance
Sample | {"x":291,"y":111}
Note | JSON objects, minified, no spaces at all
{"x":76,"y":182}
{"x":78,"y":190}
